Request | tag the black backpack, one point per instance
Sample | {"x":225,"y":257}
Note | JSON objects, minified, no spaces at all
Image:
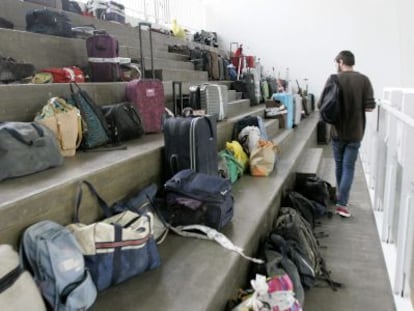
{"x":330,"y":107}
{"x":303,"y":248}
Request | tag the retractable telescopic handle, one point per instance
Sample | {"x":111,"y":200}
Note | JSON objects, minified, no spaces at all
{"x":140,"y":25}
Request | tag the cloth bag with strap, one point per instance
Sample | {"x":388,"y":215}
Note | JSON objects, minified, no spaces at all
{"x":95,"y":128}
{"x":118,"y":247}
{"x":65,"y":121}
{"x":27,"y":148}
{"x":18,"y":290}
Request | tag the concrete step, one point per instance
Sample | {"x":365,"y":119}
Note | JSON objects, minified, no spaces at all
{"x":49,"y":194}
{"x":179,"y":75}
{"x":272,"y":127}
{"x":52,"y":51}
{"x":234,"y":106}
{"x":309,"y":162}
{"x":15,"y":11}
{"x":21,"y":102}
{"x":186,"y":261}
{"x":231,"y":95}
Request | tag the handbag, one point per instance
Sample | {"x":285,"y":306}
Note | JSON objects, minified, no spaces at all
{"x":95,"y":129}
{"x":27,"y":148}
{"x":117,"y":247}
{"x":65,"y":121}
{"x":123,"y":121}
{"x":18,"y":291}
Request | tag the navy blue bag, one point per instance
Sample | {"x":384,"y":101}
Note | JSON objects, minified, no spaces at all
{"x":116,"y":248}
{"x":197,"y":198}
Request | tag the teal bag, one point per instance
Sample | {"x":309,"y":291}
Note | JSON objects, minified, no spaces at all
{"x":229,"y":167}
{"x":95,"y":130}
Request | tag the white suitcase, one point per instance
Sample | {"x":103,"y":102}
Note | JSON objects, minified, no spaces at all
{"x":298,"y":107}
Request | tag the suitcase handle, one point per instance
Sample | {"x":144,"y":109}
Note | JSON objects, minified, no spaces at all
{"x":231,"y":46}
{"x":180,"y":92}
{"x":140,"y":25}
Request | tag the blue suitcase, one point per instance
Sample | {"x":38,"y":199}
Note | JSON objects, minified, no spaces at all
{"x":287,"y":100}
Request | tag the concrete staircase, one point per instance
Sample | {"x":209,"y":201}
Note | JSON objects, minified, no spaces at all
{"x":194,"y":274}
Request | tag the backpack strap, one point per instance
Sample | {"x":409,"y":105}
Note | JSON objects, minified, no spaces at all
{"x":207,"y":233}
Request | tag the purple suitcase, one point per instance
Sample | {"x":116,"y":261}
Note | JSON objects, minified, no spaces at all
{"x":103,"y":57}
{"x":147,"y":94}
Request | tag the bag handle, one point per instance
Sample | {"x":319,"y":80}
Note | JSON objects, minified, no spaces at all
{"x":13,"y":132}
{"x":102,"y":203}
{"x":140,"y":25}
{"x":180,"y":94}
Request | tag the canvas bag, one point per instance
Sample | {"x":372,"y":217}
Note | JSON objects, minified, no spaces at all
{"x":116,"y":248}
{"x":18,"y":291}
{"x":263,"y":158}
{"x":53,"y":256}
{"x":65,"y":121}
{"x":27,"y":148}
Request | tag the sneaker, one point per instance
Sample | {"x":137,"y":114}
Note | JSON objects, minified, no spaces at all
{"x":343,"y":211}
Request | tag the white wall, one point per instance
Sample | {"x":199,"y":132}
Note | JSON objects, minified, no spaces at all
{"x":306,"y":35}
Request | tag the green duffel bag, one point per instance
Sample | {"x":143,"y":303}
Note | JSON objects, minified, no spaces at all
{"x":27,"y":148}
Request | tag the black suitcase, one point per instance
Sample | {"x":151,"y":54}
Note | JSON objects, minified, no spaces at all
{"x":190,"y":142}
{"x":323,"y":133}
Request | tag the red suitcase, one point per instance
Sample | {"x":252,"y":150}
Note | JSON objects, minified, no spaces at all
{"x":147,"y":94}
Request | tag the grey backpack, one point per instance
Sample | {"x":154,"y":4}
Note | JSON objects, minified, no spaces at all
{"x":27,"y":148}
{"x":54,"y":257}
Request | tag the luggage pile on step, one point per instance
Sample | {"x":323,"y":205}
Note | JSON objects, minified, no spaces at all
{"x":217,"y":66}
{"x":293,"y":261}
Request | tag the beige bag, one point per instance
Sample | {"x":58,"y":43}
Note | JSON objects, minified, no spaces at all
{"x":18,"y":290}
{"x":65,"y":121}
{"x":263,"y":158}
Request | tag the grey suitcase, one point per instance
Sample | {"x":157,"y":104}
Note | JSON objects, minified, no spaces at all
{"x":214,"y":100}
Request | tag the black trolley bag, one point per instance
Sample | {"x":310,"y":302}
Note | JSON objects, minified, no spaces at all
{"x":190,"y":142}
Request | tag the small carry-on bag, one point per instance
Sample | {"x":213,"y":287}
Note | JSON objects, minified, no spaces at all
{"x":18,"y":290}
{"x":214,"y":100}
{"x":190,"y":142}
{"x":197,"y":198}
{"x":147,"y":94}
{"x":103,"y":57}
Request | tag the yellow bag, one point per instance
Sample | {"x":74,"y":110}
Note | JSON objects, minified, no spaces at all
{"x":177,"y":30}
{"x":263,"y":158}
{"x":65,"y":121}
{"x":238,"y":153}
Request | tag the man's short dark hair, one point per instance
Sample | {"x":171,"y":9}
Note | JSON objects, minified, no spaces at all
{"x":347,"y":57}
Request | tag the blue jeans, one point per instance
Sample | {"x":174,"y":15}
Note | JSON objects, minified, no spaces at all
{"x":345,"y":154}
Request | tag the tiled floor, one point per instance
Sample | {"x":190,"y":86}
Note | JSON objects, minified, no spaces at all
{"x":353,"y":254}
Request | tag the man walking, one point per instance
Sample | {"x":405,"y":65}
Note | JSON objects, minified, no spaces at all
{"x":357,"y":98}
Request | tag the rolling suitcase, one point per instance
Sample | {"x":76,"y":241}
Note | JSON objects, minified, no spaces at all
{"x":48,"y":22}
{"x":297,"y":100}
{"x":323,"y":133}
{"x":103,"y":57}
{"x":147,"y":94}
{"x":287,"y":100}
{"x":190,"y":142}
{"x":214,"y":100}
{"x":248,"y":79}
